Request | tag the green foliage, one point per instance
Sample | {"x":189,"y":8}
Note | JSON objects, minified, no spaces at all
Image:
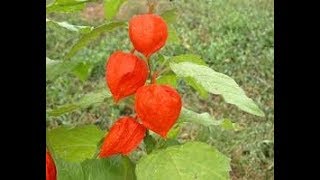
{"x":227,"y":124}
{"x":174,"y":132}
{"x":92,"y":35}
{"x":111,"y":8}
{"x":192,"y":117}
{"x":198,"y":87}
{"x":193,"y":160}
{"x":173,"y":36}
{"x":116,"y":167}
{"x":169,"y":16}
{"x":74,"y":144}
{"x":193,"y":58}
{"x":168,"y":79}
{"x":83,"y":70}
{"x":87,"y":100}
{"x":204,"y":119}
{"x":217,"y":83}
{"x":66,"y":6}
{"x":150,"y":143}
{"x":56,"y":68}
{"x":68,"y":26}
{"x":189,"y":80}
{"x":69,"y":170}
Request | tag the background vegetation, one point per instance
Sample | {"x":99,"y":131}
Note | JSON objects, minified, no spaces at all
{"x":235,"y":37}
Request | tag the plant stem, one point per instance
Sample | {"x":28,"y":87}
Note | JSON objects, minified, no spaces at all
{"x":95,"y":156}
{"x":154,"y":77}
{"x":150,"y":69}
{"x":163,"y":70}
{"x":132,"y":50}
{"x":151,"y":4}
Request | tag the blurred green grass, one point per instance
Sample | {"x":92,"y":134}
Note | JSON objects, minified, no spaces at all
{"x":235,"y":37}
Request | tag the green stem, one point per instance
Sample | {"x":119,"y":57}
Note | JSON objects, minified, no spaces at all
{"x":150,"y":69}
{"x":96,"y":154}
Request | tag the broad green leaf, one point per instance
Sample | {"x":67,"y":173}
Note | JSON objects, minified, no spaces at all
{"x":70,"y":27}
{"x":69,"y":170}
{"x":87,"y":100}
{"x":162,"y":60}
{"x":217,"y":83}
{"x":66,"y":6}
{"x":169,"y":16}
{"x":202,"y":92}
{"x":193,"y":160}
{"x":74,"y":144}
{"x":168,"y":79}
{"x":173,"y":36}
{"x":115,"y":168}
{"x":111,"y":8}
{"x":188,"y":58}
{"x":83,"y":70}
{"x":188,"y":116}
{"x":165,"y":143}
{"x":204,"y":119}
{"x":92,"y":35}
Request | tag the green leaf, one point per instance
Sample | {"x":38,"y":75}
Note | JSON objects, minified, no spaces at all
{"x":115,"y":168}
{"x":74,"y":144}
{"x":193,"y":160}
{"x":70,"y":27}
{"x":227,"y":124}
{"x":55,"y":69}
{"x":173,"y":36}
{"x":169,"y":16}
{"x":83,"y":70}
{"x":86,"y":101}
{"x":92,"y":35}
{"x":165,"y":143}
{"x":150,"y":143}
{"x":217,"y":83}
{"x":201,"y":90}
{"x":63,"y":109}
{"x":69,"y":170}
{"x":111,"y":8}
{"x":204,"y":119}
{"x":79,"y":68}
{"x":66,"y":6}
{"x":174,"y":132}
{"x":161,"y":62}
{"x":168,"y":79}
{"x":188,"y":58}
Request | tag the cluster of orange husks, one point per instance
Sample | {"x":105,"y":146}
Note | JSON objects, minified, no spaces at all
{"x":157,"y":106}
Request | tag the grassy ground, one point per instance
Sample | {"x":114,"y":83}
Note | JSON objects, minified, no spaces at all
{"x":235,"y":37}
